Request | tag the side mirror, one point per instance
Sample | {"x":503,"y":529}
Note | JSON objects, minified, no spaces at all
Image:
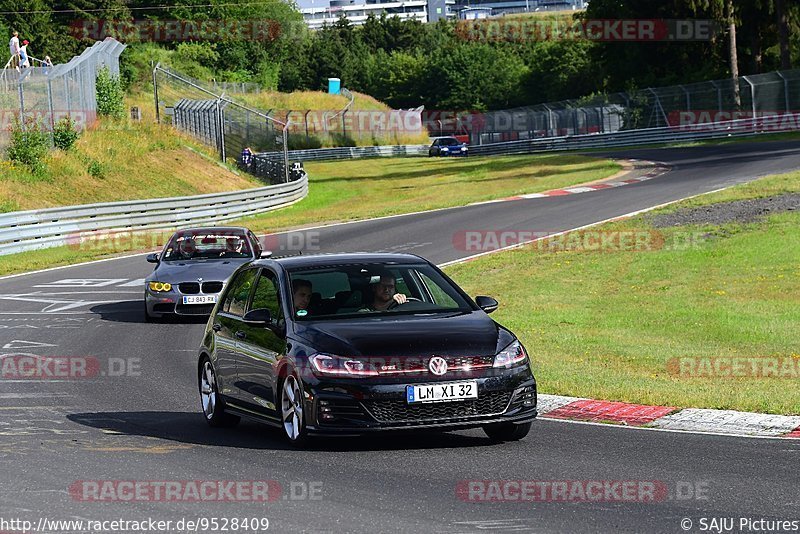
{"x":487,"y":304}
{"x":257,"y":317}
{"x":152,"y":258}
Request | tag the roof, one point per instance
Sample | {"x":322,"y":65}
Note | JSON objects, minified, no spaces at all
{"x":320,"y":260}
{"x":212,"y":230}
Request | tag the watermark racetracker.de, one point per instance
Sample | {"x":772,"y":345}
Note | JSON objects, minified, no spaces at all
{"x":581,"y":491}
{"x":235,"y":491}
{"x":577,"y":241}
{"x":722,"y":367}
{"x":551,"y":29}
{"x":33,"y":367}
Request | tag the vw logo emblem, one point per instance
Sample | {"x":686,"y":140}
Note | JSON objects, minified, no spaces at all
{"x":438,"y":365}
{"x":200,"y":280}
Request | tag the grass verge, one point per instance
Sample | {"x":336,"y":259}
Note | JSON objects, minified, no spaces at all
{"x":361,"y":189}
{"x":119,"y":160}
{"x":613,"y":324}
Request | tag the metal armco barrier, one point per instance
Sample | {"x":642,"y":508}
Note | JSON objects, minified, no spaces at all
{"x":29,"y":230}
{"x":788,"y":122}
{"x":355,"y":152}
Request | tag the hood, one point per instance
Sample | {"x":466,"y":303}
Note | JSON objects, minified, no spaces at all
{"x":461,"y":334}
{"x":190,"y":271}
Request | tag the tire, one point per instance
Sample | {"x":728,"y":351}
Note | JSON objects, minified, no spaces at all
{"x":293,"y":415}
{"x":210,"y":400}
{"x":147,"y":317}
{"x":500,"y":432}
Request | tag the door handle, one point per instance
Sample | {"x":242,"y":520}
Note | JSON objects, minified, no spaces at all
{"x":216,"y":327}
{"x":241,"y":335}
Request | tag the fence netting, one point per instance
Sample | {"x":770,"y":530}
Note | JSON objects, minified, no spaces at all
{"x":45,"y":94}
{"x":201,"y":110}
{"x":772,"y":98}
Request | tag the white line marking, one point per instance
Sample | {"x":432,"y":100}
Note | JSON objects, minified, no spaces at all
{"x":54,"y":305}
{"x":22,"y":344}
{"x":83,"y":282}
{"x":616,"y":217}
{"x":133,"y":283}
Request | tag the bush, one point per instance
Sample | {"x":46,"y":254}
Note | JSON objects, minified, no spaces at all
{"x":96,"y":170}
{"x":29,"y":144}
{"x":109,"y":95}
{"x":64,"y":133}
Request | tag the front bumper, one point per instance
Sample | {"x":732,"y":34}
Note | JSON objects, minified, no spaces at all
{"x":171,"y":303}
{"x":507,"y":396}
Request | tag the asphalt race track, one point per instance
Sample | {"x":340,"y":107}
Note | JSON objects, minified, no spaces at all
{"x":139,"y":418}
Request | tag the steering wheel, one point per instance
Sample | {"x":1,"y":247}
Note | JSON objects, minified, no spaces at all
{"x":392,"y":305}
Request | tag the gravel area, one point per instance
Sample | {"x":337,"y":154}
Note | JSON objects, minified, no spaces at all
{"x":739,"y":211}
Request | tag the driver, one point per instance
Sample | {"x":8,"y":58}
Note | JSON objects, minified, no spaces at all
{"x":187,"y":247}
{"x":233,"y":247}
{"x":384,"y":294}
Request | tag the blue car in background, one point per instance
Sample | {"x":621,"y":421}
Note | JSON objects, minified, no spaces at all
{"x":447,"y":146}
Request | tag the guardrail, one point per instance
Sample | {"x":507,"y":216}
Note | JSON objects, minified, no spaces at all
{"x":788,"y":122}
{"x":29,"y":230}
{"x":354,"y":152}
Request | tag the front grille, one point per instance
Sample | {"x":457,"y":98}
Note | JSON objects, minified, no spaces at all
{"x":194,"y":309}
{"x":468,"y":362}
{"x":212,"y":287}
{"x":420,"y":365}
{"x":398,"y":411}
{"x":189,"y":288}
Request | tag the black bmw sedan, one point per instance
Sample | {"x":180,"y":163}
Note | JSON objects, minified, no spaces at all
{"x":356,"y":343}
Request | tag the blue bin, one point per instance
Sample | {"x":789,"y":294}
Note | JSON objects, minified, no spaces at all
{"x":334,"y":86}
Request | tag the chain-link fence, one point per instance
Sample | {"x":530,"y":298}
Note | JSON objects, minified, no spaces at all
{"x":235,"y":130}
{"x":48,"y":93}
{"x":772,"y":98}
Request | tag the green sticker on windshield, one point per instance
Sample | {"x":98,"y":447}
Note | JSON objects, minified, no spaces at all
{"x":302,"y":313}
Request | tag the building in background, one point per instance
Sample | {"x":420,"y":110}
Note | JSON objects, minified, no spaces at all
{"x":508,"y":7}
{"x":357,"y":11}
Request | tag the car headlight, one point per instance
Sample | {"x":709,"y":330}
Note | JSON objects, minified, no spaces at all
{"x":445,"y":149}
{"x":463,"y":149}
{"x":160,"y":286}
{"x":330,"y":365}
{"x":510,"y":356}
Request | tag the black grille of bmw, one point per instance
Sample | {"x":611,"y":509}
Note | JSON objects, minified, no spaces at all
{"x":398,"y":411}
{"x":190,"y":288}
{"x":212,"y":287}
{"x":194,"y":309}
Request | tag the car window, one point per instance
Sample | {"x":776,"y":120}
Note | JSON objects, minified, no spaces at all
{"x":192,"y":246}
{"x":238,"y":292}
{"x":344,"y":290}
{"x":439,"y":296}
{"x":266,"y":294}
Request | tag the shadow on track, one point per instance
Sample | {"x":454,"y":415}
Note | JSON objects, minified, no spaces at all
{"x":132,"y":311}
{"x":189,"y":427}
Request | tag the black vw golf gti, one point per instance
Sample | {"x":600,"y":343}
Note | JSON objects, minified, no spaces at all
{"x":355,"y":343}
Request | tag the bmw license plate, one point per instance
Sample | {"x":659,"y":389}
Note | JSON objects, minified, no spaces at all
{"x":200,"y":299}
{"x":449,"y":391}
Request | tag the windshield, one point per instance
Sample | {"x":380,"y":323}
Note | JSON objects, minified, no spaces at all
{"x":334,"y":292}
{"x":206,"y":246}
{"x":449,"y":141}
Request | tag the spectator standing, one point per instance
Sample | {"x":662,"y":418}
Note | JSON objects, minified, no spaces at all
{"x":247,"y":158}
{"x":13,"y":47}
{"x":24,"y":59}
